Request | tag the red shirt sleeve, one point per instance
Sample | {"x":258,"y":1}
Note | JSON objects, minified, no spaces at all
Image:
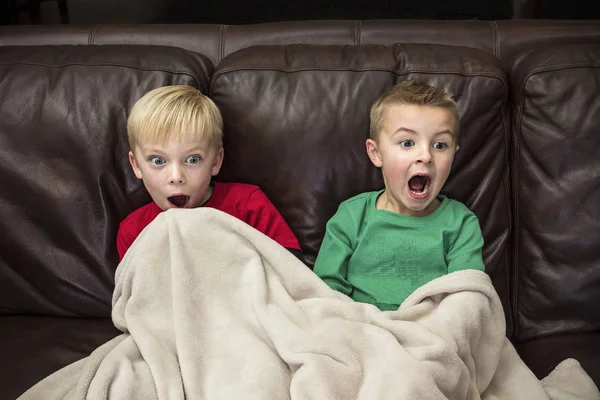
{"x":261,"y":214}
{"x":130,"y":227}
{"x":124,"y":239}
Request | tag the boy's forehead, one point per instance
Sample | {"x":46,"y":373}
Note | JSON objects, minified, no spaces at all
{"x":183,"y":143}
{"x":398,"y":113}
{"x":402,"y":108}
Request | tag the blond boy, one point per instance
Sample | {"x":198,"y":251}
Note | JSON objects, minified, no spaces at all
{"x":380,"y":246}
{"x":175,"y":138}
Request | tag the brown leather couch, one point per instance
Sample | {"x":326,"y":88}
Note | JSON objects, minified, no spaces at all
{"x":295,"y":98}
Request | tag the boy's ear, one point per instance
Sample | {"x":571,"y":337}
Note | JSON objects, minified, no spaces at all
{"x":134,"y":165}
{"x":218,"y":161}
{"x":373,"y":153}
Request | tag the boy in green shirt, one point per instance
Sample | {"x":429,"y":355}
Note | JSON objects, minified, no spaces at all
{"x":381,"y":246}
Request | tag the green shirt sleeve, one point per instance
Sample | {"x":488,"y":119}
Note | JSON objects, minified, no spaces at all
{"x":466,"y":251}
{"x":331,"y":264}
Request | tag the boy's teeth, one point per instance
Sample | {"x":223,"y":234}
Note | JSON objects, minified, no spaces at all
{"x":425,"y":188}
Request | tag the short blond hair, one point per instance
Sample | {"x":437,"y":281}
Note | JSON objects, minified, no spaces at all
{"x":411,"y":93}
{"x":173,"y":113}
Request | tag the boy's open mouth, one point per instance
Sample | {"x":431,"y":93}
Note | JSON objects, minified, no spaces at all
{"x":419,"y":185}
{"x":179,"y":200}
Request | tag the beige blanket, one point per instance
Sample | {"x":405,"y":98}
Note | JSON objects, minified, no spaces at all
{"x":212,"y":309}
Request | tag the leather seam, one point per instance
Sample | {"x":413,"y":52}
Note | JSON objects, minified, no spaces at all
{"x":507,"y":186}
{"x":171,"y":71}
{"x":495,"y":41}
{"x":357,"y":32}
{"x":516,"y":200}
{"x":560,"y":67}
{"x":92,"y":34}
{"x":222,"y":43}
{"x":409,"y":71}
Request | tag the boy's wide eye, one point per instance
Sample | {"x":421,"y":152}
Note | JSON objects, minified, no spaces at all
{"x":192,"y":160}
{"x":407,"y":143}
{"x":157,"y":160}
{"x":440,"y":145}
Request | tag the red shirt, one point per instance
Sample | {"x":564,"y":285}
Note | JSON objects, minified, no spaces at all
{"x":245,"y":202}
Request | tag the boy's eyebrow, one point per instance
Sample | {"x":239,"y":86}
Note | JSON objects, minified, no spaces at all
{"x":151,"y":148}
{"x":448,"y":131}
{"x":195,"y":149}
{"x":407,"y":130}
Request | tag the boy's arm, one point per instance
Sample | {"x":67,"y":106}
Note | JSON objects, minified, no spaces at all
{"x":124,"y":240}
{"x":466,"y":251}
{"x":331,"y":264}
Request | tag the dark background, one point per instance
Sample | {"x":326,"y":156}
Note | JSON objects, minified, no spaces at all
{"x":256,"y":11}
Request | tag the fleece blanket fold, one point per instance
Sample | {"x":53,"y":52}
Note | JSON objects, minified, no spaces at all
{"x":210,"y":308}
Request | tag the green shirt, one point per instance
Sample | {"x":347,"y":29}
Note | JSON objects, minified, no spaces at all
{"x":380,"y":257}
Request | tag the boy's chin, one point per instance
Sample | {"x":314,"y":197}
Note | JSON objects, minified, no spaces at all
{"x":172,"y":206}
{"x":417,"y":206}
{"x":429,"y":205}
{"x":168,"y":206}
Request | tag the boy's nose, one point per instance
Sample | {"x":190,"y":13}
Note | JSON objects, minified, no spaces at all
{"x":425,"y":156}
{"x":176,"y":175}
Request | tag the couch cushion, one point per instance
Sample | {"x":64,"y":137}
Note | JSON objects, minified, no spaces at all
{"x":65,"y":179}
{"x":556,"y":162}
{"x":32,"y":348}
{"x":543,"y":354}
{"x":304,"y":112}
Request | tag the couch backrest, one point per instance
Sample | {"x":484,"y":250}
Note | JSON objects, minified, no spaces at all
{"x":504,"y":39}
{"x":297,"y":117}
{"x":65,"y":181}
{"x":556,"y":169}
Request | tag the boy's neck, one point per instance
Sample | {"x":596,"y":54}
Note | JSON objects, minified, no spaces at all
{"x":209,"y":192}
{"x":384,"y":202}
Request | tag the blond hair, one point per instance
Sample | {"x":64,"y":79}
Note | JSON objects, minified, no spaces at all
{"x":411,"y":93}
{"x":173,"y":113}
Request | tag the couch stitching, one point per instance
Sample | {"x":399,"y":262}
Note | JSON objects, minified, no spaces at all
{"x":508,"y":190}
{"x":516,"y":168}
{"x":149,"y":68}
{"x":495,"y":41}
{"x":92,"y":34}
{"x":460,"y":73}
{"x":562,"y":66}
{"x":424,"y":71}
{"x":357,"y":32}
{"x":222,"y":43}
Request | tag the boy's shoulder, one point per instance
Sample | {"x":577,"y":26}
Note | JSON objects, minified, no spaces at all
{"x":456,"y":211}
{"x":360,"y":200}
{"x":233,"y":193}
{"x":456,"y":205}
{"x":141,"y":215}
{"x":239,"y":196}
{"x":235,"y":187}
